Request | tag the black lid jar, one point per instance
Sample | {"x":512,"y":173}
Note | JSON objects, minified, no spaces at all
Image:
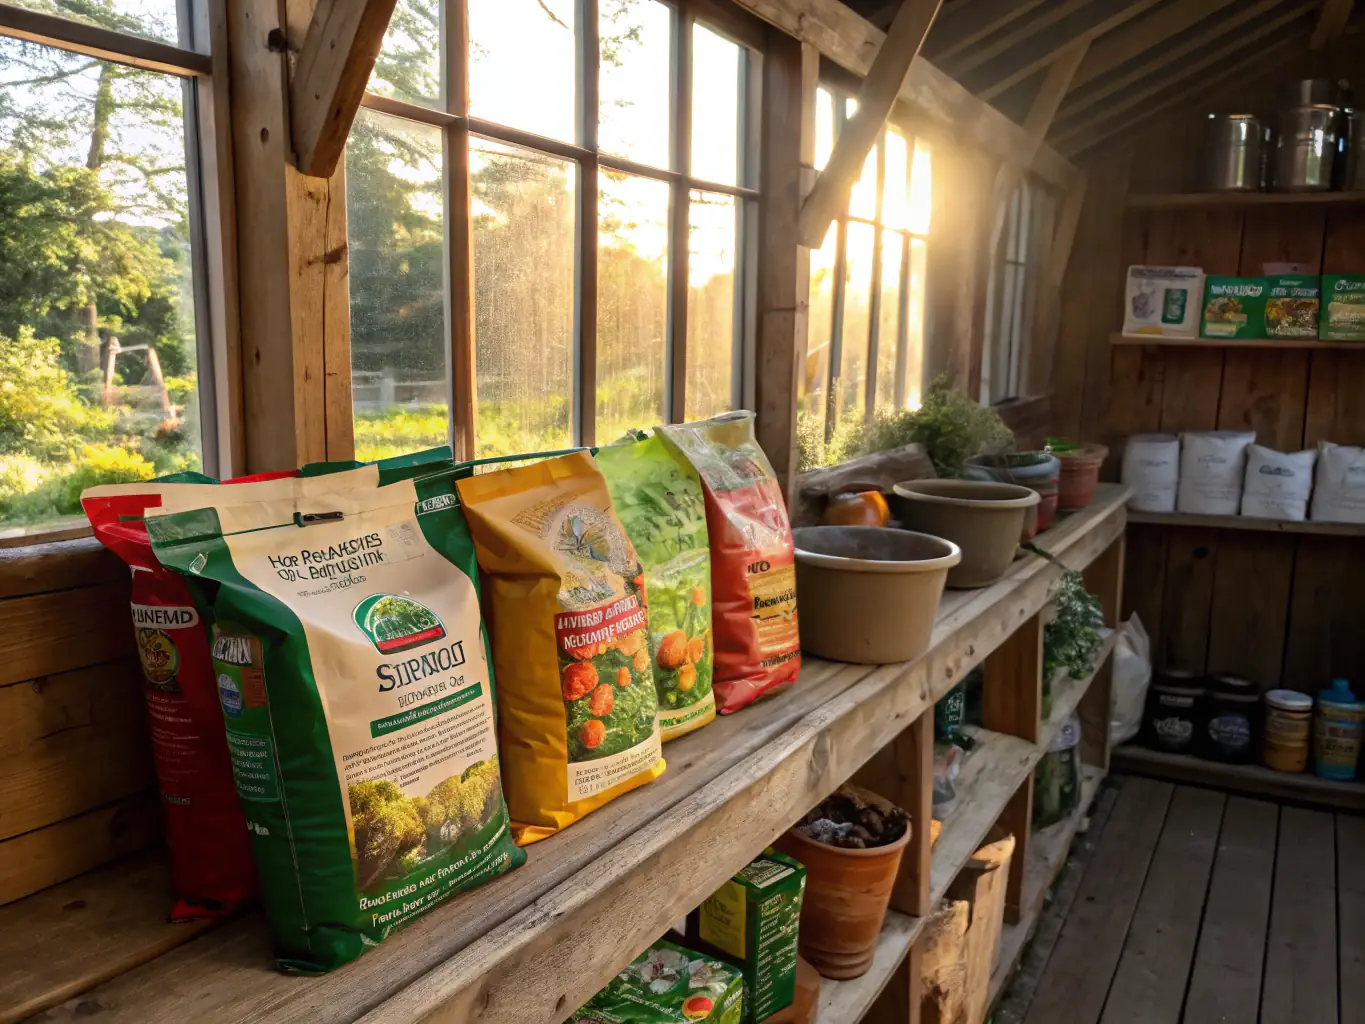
{"x":1232,"y":725}
{"x":1175,"y":712}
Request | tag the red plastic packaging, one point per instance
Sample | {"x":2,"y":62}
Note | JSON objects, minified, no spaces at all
{"x":212,"y":871}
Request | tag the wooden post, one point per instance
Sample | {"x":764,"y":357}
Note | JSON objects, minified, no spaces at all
{"x":791,"y":73}
{"x":899,"y":1002}
{"x":110,"y":359}
{"x":154,"y":368}
{"x":1104,"y":579}
{"x":903,"y":772}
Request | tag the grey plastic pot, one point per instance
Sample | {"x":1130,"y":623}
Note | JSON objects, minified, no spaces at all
{"x":984,"y":519}
{"x":869,"y":594}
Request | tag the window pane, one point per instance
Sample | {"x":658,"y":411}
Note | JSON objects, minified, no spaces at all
{"x":409,"y":64}
{"x":914,"y":340}
{"x":888,"y":320}
{"x":710,"y":304}
{"x":398,"y":337}
{"x":151,"y":19}
{"x":632,"y":302}
{"x":634,"y":106}
{"x":824,"y":126}
{"x":522,"y":65}
{"x":98,"y":364}
{"x":862,"y":201}
{"x":524,"y":215}
{"x":815,"y":379}
{"x":921,"y":189}
{"x":895,"y":202}
{"x":852,"y":380}
{"x":715,"y":107}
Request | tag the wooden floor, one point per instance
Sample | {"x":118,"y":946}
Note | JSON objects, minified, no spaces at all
{"x":1204,"y":907}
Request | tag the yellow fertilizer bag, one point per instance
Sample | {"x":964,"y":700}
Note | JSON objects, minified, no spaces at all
{"x":567,"y":612}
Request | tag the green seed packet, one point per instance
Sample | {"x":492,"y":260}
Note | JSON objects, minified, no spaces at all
{"x":665,"y":984}
{"x":1343,"y":308}
{"x":752,"y":920}
{"x":1234,"y":307}
{"x":1291,"y":306}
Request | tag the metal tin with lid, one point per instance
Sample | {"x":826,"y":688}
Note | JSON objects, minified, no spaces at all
{"x":1232,"y":722}
{"x":1236,"y":149}
{"x":1174,"y":712}
{"x":1288,"y":723}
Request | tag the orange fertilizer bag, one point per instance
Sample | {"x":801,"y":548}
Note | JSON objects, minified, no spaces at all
{"x":753,"y":560}
{"x":566,"y":608}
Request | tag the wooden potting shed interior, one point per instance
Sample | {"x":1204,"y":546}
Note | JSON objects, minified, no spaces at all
{"x":238,"y":236}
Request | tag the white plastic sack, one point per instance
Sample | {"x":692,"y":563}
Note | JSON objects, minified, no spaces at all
{"x":1339,"y":488}
{"x":1132,"y":676}
{"x":1277,"y":484}
{"x":1212,"y":465}
{"x":1151,"y":467}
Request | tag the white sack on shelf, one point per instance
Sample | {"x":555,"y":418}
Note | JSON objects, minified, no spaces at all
{"x":1339,"y":489}
{"x":1277,"y":484}
{"x":1151,"y":467}
{"x":1132,"y":674}
{"x":1212,"y":464}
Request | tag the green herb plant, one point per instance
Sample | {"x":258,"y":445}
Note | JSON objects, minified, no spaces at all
{"x":1071,"y":639}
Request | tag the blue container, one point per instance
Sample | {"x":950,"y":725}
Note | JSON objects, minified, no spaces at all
{"x":1338,"y":728}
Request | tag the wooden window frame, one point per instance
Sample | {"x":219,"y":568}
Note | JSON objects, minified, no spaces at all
{"x":1013,"y":328}
{"x":200,"y":61}
{"x":457,"y":125}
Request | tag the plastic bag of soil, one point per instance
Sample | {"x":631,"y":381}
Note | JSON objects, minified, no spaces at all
{"x":1057,"y":779}
{"x":657,"y":496}
{"x":354,"y":683}
{"x":753,"y":562}
{"x":567,"y":612}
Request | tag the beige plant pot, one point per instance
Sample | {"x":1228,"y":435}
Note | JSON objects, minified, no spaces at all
{"x":984,"y":519}
{"x":869,"y":594}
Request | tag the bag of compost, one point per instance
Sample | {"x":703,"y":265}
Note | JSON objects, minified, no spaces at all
{"x":664,"y":984}
{"x":657,"y":495}
{"x":753,"y":560}
{"x":354,"y":683}
{"x":211,"y":870}
{"x":567,"y":613}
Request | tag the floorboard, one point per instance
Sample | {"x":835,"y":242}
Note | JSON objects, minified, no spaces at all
{"x":1149,"y":985}
{"x":1300,"y":984}
{"x":1351,"y":917}
{"x":1076,"y":978}
{"x":1226,"y":984}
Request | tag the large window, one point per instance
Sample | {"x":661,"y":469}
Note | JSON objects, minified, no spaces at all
{"x":103,"y":343}
{"x":599,"y":283}
{"x":1012,"y":294}
{"x":866,"y":342}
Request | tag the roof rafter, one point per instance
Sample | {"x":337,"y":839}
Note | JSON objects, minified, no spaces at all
{"x":1118,"y":48}
{"x":1012,"y":37}
{"x":1331,"y":22}
{"x":969,"y":21}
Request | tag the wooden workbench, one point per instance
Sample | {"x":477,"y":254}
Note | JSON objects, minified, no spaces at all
{"x":534,"y":945}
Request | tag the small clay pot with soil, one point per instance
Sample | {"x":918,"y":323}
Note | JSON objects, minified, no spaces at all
{"x":851,"y":846}
{"x":1080,"y":472}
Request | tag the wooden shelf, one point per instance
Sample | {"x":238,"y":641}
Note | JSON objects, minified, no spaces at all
{"x":1247,"y":523}
{"x":845,"y":1002}
{"x":1165,"y":341}
{"x":1199,"y":200}
{"x":1048,"y":851}
{"x":513,"y":951}
{"x":1244,"y":778}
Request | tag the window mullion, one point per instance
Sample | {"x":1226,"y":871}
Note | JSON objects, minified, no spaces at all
{"x":457,"y":239}
{"x":675,"y":396}
{"x":903,"y":322}
{"x":585,"y":284}
{"x":874,"y":300}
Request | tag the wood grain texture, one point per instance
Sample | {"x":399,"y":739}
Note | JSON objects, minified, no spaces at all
{"x":1074,"y":987}
{"x":1186,"y":600}
{"x":63,"y":630}
{"x":1122,"y":45}
{"x":1225,"y":984}
{"x":101,"y":43}
{"x":1301,"y":951}
{"x":1323,"y":639}
{"x":1350,"y":919}
{"x":38,"y":568}
{"x":1144,"y":582}
{"x":903,"y":772}
{"x":1251,"y":524}
{"x":1012,"y":690}
{"x":1017,"y":820}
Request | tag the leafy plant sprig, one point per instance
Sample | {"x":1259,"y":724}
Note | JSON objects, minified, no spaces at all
{"x":1071,"y":639}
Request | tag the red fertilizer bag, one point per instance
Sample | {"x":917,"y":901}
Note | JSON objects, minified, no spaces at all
{"x":753,"y":565}
{"x":211,"y":866}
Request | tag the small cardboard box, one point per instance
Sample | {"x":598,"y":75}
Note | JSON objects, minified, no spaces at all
{"x":1234,"y":307}
{"x":1343,"y":308}
{"x":667,"y":984}
{"x":1291,"y":306}
{"x":752,"y":920}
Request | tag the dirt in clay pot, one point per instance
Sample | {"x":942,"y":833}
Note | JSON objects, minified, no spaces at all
{"x":851,"y":846}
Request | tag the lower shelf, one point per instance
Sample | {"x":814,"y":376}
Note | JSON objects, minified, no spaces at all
{"x":1244,"y":778}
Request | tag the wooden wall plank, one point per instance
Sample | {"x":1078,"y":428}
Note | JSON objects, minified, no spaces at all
{"x":1226,"y":983}
{"x":1187,"y":600}
{"x":1251,"y":606}
{"x":1149,"y":984}
{"x":38,"y":568}
{"x":1324,"y":639}
{"x":903,"y":772}
{"x":1144,"y":581}
{"x":1301,"y":951}
{"x":63,"y":630}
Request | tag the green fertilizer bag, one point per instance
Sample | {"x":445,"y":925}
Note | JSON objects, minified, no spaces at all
{"x":658,"y":498}
{"x":352,"y":671}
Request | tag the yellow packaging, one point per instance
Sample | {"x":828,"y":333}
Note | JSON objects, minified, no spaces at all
{"x":566,"y":607}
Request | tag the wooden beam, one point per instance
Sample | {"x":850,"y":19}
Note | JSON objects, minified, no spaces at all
{"x":970,"y":21}
{"x":1006,"y":41}
{"x":102,"y":43}
{"x":876,"y":97}
{"x":1025,"y":61}
{"x":338,"y":55}
{"x":1163,"y":56}
{"x":1048,"y":320}
{"x":838,"y":33}
{"x":1077,"y":129}
{"x":1116,"y":48}
{"x":1331,"y":22}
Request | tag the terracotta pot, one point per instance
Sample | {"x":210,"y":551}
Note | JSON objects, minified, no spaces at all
{"x":1080,"y":473}
{"x":847,"y":892}
{"x":869,"y":595}
{"x":984,"y":519}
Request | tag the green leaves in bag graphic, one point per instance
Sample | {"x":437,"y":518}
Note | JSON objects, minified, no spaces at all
{"x":395,"y":623}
